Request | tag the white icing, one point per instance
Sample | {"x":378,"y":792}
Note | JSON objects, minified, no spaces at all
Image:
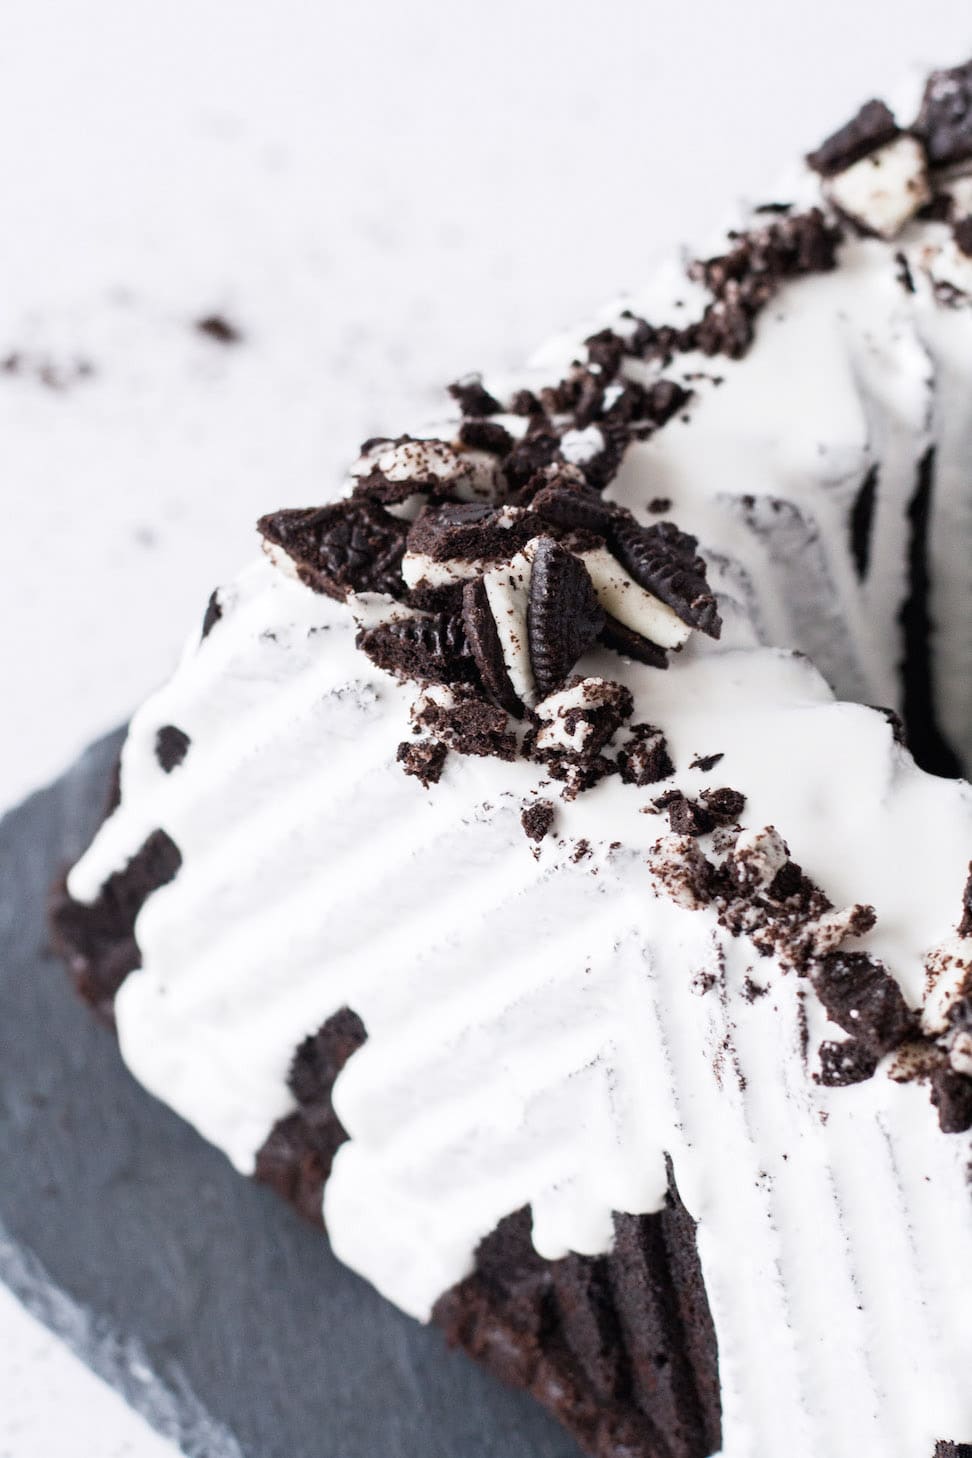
{"x":886,"y":188}
{"x":420,"y":568}
{"x":508,"y":594}
{"x":537,"y":1028}
{"x":580,"y":446}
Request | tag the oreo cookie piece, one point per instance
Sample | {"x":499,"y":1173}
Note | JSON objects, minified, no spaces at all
{"x":963,"y":236}
{"x":486,"y":435}
{"x":537,"y":819}
{"x":724,"y":805}
{"x":529,"y":456}
{"x":945,"y":120}
{"x":644,"y":758}
{"x":685,"y":816}
{"x":872,"y":127}
{"x":951,"y":1093}
{"x":212,"y":614}
{"x":563,"y":615}
{"x":473,"y":398}
{"x":486,"y":648}
{"x":455,"y":715}
{"x":423,"y":758}
{"x":566,"y":500}
{"x":171,"y":747}
{"x":863,"y":999}
{"x":431,"y":649}
{"x":630,"y":644}
{"x":843,"y":1064}
{"x":348,"y":546}
{"x":663,"y":561}
{"x":470,"y":531}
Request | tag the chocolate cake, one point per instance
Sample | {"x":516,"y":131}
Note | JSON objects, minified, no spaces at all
{"x":549,"y":865}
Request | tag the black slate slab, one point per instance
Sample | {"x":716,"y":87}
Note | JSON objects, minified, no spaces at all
{"x":195,"y":1292}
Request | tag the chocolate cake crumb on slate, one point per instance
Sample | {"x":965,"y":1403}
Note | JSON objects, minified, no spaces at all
{"x":296,"y":1157}
{"x":98,"y":940}
{"x":621,"y":1347}
{"x":171,"y":746}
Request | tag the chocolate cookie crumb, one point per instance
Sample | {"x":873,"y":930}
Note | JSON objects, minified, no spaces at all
{"x":658,"y":505}
{"x":171,"y":747}
{"x":706,"y":762}
{"x":219,"y":328}
{"x":873,"y":127}
{"x":963,"y":236}
{"x":212,"y":614}
{"x":537,"y":819}
{"x":945,"y":120}
{"x":473,"y":398}
{"x":842,"y":1064}
{"x":348,"y":546}
{"x":725,"y":806}
{"x":863,"y":999}
{"x":644,"y":758}
{"x":951,"y":1093}
{"x":423,"y":758}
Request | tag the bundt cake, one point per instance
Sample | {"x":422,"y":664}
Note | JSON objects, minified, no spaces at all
{"x":549,"y":866}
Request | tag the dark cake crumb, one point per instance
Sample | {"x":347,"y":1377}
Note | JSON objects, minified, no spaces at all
{"x":473,"y":398}
{"x":706,"y":762}
{"x":171,"y":746}
{"x":212,"y":615}
{"x":423,"y":758}
{"x":951,"y":1093}
{"x":945,"y":120}
{"x":873,"y":127}
{"x":845,"y":1063}
{"x":537,"y":819}
{"x":863,"y":999}
{"x":217,"y":327}
{"x":644,"y":759}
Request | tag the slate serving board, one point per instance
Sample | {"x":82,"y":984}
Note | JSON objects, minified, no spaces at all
{"x":196,"y":1293}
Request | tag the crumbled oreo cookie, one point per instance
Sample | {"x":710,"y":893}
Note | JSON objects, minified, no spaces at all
{"x":431,"y":649}
{"x":945,"y":120}
{"x":171,"y":747}
{"x":724,"y":805}
{"x":564,"y":499}
{"x":529,"y":456}
{"x":349,"y":546}
{"x":863,"y":999}
{"x":663,"y":560}
{"x":746,"y":278}
{"x":606,"y":350}
{"x":486,"y":435}
{"x":872,"y":127}
{"x":685,"y":816}
{"x":486,"y":648}
{"x":965,"y":921}
{"x":470,"y":532}
{"x":706,"y":762}
{"x":842,"y":1064}
{"x":644,"y":759}
{"x":624,"y":640}
{"x":951,"y":1094}
{"x":537,"y":819}
{"x":563,"y":615}
{"x":220,"y":329}
{"x":473,"y":398}
{"x":212,"y":614}
{"x":423,"y":758}
{"x":579,"y":720}
{"x":963,"y":236}
{"x":458,"y":717}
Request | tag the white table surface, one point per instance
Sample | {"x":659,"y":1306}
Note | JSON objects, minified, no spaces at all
{"x":381,"y":196}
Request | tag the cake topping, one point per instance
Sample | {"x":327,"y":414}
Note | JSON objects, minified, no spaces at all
{"x":423,"y":758}
{"x":473,"y":398}
{"x":945,"y":119}
{"x":644,"y":759}
{"x":872,"y":127}
{"x":563,"y":617}
{"x":171,"y":746}
{"x":456,"y":716}
{"x":537,"y":819}
{"x":885,"y":189}
{"x":349,"y":546}
{"x":429,"y":647}
{"x":860,"y":997}
{"x":845,"y":1063}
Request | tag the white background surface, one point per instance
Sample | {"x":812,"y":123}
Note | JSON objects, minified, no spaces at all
{"x":381,"y":196}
